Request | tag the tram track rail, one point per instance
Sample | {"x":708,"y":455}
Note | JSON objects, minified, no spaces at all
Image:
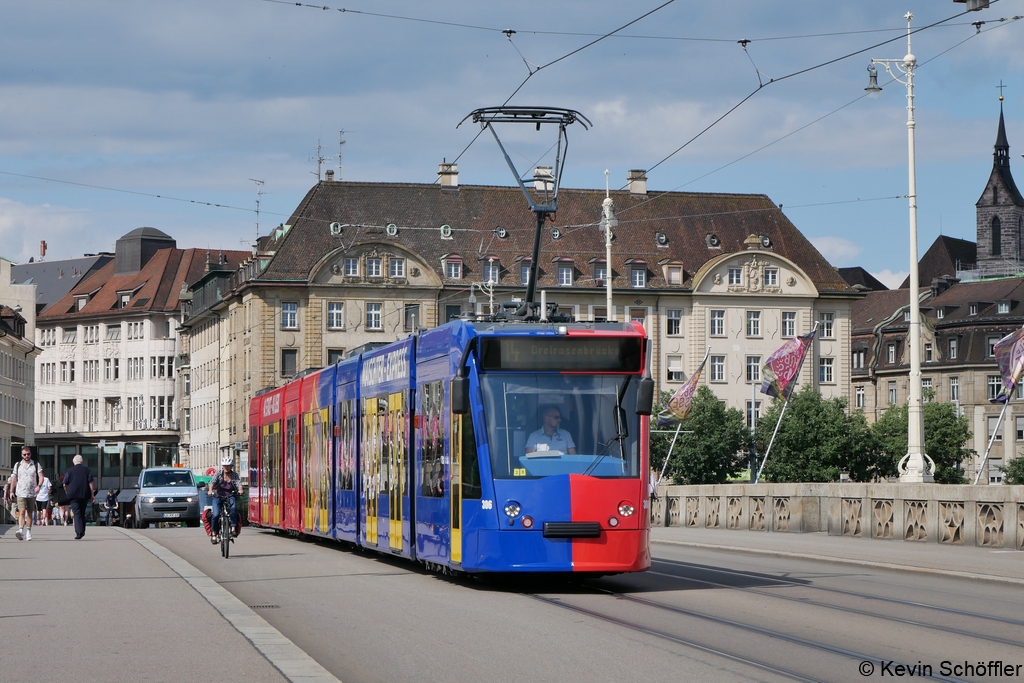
{"x":722,"y":621}
{"x":828,"y":589}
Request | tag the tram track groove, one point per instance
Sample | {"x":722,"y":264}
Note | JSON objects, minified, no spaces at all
{"x":795,"y":640}
{"x":849,"y":610}
{"x":657,"y":633}
{"x":840,"y":591}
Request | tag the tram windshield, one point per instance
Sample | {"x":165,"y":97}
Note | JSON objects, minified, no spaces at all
{"x":539,"y":425}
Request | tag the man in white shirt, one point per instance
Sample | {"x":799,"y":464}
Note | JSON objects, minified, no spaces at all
{"x":550,"y":437}
{"x":27,"y":477}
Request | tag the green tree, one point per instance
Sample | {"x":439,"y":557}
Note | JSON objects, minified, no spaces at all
{"x":1013,"y":472}
{"x":713,"y":452}
{"x":945,"y":439}
{"x":817,"y":440}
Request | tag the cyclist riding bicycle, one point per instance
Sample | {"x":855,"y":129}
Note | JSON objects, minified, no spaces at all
{"x":224,"y":490}
{"x":110,"y":505}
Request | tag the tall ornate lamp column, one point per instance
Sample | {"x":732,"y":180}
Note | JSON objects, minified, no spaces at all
{"x":915,"y":466}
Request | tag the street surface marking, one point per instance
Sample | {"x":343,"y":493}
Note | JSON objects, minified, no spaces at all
{"x":285,"y":655}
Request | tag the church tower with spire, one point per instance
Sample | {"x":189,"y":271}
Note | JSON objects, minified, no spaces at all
{"x":1000,"y":214}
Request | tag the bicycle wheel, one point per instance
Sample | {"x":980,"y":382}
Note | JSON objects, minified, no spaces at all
{"x":225,"y":533}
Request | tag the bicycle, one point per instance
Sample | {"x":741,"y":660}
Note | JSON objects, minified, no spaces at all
{"x":224,"y":529}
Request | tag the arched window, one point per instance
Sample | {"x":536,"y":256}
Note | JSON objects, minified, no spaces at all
{"x":997,"y":237}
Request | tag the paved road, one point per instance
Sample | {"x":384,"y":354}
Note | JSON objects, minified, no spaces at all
{"x":788,"y":612}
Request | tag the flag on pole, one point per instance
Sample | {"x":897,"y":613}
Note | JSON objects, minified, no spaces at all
{"x":1010,"y":358}
{"x":782,"y":367}
{"x":681,"y":401}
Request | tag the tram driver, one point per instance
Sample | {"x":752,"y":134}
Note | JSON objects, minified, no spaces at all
{"x":551,"y":437}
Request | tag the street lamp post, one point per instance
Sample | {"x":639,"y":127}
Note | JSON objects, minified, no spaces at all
{"x":608,"y":221}
{"x":915,"y":466}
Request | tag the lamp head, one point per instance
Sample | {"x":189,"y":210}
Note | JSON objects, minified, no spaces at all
{"x":873,"y":88}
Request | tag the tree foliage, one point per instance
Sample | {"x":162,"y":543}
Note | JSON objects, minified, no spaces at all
{"x":946,"y":436}
{"x":713,"y":452}
{"x":817,"y":440}
{"x":1013,"y":472}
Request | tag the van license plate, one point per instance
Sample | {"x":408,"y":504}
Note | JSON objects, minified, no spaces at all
{"x":171,"y":514}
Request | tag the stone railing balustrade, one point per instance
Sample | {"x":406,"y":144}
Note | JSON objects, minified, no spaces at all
{"x":987,"y":516}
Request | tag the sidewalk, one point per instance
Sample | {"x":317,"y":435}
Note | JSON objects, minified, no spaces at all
{"x":990,"y":564}
{"x":107,"y":609}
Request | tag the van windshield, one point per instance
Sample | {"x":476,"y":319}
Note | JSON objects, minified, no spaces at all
{"x":182,"y":478}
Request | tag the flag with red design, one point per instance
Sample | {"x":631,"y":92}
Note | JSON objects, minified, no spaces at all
{"x":679,"y":405}
{"x":1010,"y":357}
{"x":782,"y":367}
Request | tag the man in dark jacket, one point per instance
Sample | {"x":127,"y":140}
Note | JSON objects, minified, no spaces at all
{"x":81,"y":488}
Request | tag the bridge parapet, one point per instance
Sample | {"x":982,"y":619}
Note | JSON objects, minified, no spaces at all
{"x":985,"y":516}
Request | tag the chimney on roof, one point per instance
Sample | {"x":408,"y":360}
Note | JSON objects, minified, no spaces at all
{"x":448,"y":175}
{"x":637,"y":181}
{"x":941,"y":284}
{"x":329,"y":175}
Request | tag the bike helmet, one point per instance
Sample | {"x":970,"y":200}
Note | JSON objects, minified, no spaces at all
{"x":227,"y":460}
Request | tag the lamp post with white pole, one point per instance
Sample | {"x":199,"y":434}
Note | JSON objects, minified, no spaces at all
{"x":915,"y":466}
{"x":608,"y":221}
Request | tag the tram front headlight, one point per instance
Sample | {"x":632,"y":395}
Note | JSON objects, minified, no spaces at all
{"x":512,"y":509}
{"x":626,"y":508}
{"x":151,"y":499}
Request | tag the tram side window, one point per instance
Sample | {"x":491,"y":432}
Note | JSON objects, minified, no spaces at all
{"x":254,"y":436}
{"x":432,"y":464}
{"x":383,"y":443}
{"x":470,"y":465}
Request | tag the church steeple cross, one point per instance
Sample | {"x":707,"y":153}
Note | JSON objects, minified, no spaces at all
{"x":1000,"y":87}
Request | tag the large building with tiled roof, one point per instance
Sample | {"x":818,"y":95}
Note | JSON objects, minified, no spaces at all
{"x":106,"y":378}
{"x":962,"y":322}
{"x":362,"y":262}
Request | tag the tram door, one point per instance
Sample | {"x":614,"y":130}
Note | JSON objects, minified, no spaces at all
{"x":398,"y":465}
{"x":373,"y":450}
{"x":455,"y":489}
{"x":291,"y":472}
{"x":271,"y":476}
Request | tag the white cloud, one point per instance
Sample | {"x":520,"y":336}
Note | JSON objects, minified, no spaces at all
{"x":890,"y":279}
{"x":839,"y":251}
{"x":22,"y":226}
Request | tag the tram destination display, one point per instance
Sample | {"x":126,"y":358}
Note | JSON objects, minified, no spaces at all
{"x":573,"y":354}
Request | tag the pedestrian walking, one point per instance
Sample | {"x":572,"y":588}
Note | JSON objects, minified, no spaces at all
{"x":43,"y":501}
{"x":27,"y":477}
{"x":10,"y":501}
{"x":59,"y":498}
{"x":80,"y":486}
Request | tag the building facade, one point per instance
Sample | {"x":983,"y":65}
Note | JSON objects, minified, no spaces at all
{"x":17,"y":351}
{"x":964,"y":313}
{"x":364,"y":263}
{"x":106,"y":376}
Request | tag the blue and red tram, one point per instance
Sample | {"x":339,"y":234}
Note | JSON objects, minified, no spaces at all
{"x":479,"y":447}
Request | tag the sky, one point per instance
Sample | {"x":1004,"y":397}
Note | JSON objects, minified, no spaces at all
{"x":117,"y":115}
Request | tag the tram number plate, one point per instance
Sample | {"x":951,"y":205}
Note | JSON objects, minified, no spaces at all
{"x":171,"y":514}
{"x":519,"y":472}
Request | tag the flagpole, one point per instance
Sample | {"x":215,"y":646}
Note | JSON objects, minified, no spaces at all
{"x":761,"y":468}
{"x":669,"y":455}
{"x":992,"y":438}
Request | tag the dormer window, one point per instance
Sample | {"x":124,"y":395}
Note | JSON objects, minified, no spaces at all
{"x":452,"y":264}
{"x":565,"y":275}
{"x":600,"y":271}
{"x":973,"y":309}
{"x":123,"y":299}
{"x":906,"y":316}
{"x":675,"y":275}
{"x":940,"y":313}
{"x":80,"y":302}
{"x":524,"y":271}
{"x":1004,"y":306}
{"x":637,"y":273}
